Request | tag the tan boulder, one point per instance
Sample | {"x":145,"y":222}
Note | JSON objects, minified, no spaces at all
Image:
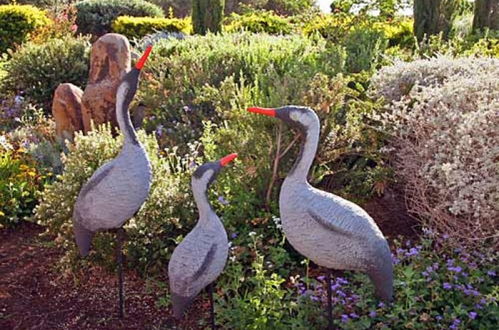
{"x":109,"y":62}
{"x":67,"y":110}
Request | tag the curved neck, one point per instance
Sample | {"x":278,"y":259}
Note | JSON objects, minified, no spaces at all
{"x":202,"y":203}
{"x":302,"y":165}
{"x":123,"y":116}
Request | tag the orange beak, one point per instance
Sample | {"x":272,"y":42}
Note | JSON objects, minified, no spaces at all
{"x":227,"y":159}
{"x":143,"y":59}
{"x":263,"y":111}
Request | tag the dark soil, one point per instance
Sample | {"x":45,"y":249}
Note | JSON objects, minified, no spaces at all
{"x":34,"y":295}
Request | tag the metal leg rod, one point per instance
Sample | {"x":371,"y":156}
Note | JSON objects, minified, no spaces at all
{"x":212,"y":306}
{"x":119,"y":256}
{"x":329,"y":301}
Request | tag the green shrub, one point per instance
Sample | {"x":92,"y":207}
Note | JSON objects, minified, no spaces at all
{"x":138,"y":27}
{"x":152,"y":232}
{"x":332,"y":27}
{"x":364,"y":47}
{"x":207,"y":16}
{"x":398,"y":32}
{"x":18,"y":22}
{"x":259,"y":22}
{"x":20,"y":183}
{"x":37,"y":70}
{"x":96,"y":16}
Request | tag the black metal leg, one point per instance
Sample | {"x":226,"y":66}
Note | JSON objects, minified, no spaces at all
{"x":329,"y":302}
{"x":119,"y":256}
{"x":212,"y":306}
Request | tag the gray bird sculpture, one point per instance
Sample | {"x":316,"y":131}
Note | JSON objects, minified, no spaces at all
{"x":200,"y":258}
{"x":329,"y":230}
{"x":116,"y":191}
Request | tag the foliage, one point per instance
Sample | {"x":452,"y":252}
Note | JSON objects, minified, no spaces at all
{"x":96,"y":16}
{"x":332,"y":27}
{"x":62,"y":24}
{"x":364,"y":48}
{"x":37,"y":70}
{"x":178,"y":8}
{"x":207,"y":16}
{"x":477,"y":44}
{"x":398,"y":32}
{"x":138,"y":27}
{"x":18,"y":23}
{"x":150,"y":231}
{"x":22,"y":170}
{"x":445,"y":150}
{"x":263,"y":21}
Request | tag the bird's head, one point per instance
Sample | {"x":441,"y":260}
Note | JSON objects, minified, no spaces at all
{"x":205,"y":174}
{"x":301,"y":118}
{"x":130,"y":81}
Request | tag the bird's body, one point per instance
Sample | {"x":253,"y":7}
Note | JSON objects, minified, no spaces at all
{"x":117,"y":189}
{"x":329,"y":230}
{"x":200,"y":258}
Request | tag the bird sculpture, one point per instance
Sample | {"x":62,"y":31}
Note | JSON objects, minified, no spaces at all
{"x":331,"y":231}
{"x":200,"y":258}
{"x":117,"y":189}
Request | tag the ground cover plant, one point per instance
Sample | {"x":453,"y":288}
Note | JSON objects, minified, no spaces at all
{"x":408,"y":130}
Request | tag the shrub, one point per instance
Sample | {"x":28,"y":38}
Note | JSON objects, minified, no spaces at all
{"x":332,"y":27}
{"x":259,"y":22}
{"x":20,"y":183}
{"x":167,"y":211}
{"x":445,"y":137}
{"x":398,"y":32}
{"x":395,"y":82}
{"x":364,"y":48}
{"x":37,"y":70}
{"x":138,"y":27}
{"x":207,"y":16}
{"x":18,"y":22}
{"x":96,"y":16}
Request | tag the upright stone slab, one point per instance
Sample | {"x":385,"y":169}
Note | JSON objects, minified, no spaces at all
{"x":66,"y":110}
{"x":109,"y":62}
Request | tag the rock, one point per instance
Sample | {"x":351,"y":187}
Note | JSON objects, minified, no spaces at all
{"x":109,"y":62}
{"x":67,"y":110}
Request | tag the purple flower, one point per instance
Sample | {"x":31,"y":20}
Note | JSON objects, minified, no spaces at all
{"x":455,"y":324}
{"x":447,"y":286}
{"x":472,"y":315}
{"x":445,"y":236}
{"x":491,"y":273}
{"x":314,"y":298}
{"x":321,"y":278}
{"x":372,"y":314}
{"x":412,"y":252}
{"x":222,"y":200}
{"x":381,"y":304}
{"x":438,"y":317}
{"x":456,"y":269}
{"x":344,"y":317}
{"x":233,"y":235}
{"x":354,"y":316}
{"x":159,"y":130}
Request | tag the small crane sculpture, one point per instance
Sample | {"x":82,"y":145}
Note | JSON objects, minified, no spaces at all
{"x":332,"y":232}
{"x":117,"y":190}
{"x":200,"y":258}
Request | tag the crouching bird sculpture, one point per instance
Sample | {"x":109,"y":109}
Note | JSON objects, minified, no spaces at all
{"x":200,"y":258}
{"x":116,"y":191}
{"x":329,"y":230}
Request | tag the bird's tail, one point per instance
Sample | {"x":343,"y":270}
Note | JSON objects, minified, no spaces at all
{"x":83,"y":238}
{"x":382,"y":273}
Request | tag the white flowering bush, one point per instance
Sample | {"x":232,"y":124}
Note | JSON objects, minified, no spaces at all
{"x":394,"y":82}
{"x":446,"y":142}
{"x":150,"y":232}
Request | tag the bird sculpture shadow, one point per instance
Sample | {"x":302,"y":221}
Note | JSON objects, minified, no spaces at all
{"x":331,"y":231}
{"x":200,"y":258}
{"x":117,"y":189}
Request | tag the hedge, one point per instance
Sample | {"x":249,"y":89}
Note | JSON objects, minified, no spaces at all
{"x":138,"y":27}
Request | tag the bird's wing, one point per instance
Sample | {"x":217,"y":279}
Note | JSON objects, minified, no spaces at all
{"x":95,"y":179}
{"x":190,"y":261}
{"x":340,"y":215}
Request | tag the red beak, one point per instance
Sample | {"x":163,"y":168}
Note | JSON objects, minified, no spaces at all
{"x":227,"y":159}
{"x":143,"y":59}
{"x":263,"y":111}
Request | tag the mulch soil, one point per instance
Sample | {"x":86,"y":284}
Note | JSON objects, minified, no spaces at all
{"x":34,"y":295}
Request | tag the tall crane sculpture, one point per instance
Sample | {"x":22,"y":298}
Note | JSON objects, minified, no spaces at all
{"x":117,"y":189}
{"x":200,"y":258}
{"x":332,"y":232}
